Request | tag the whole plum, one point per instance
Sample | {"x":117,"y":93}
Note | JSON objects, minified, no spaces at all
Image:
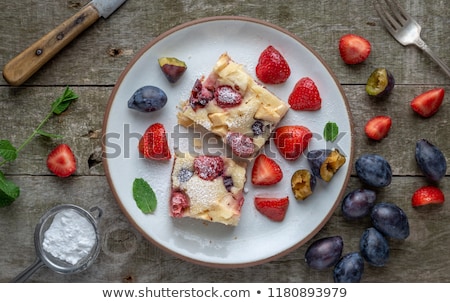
{"x":349,"y":269}
{"x":325,"y":252}
{"x":148,"y":99}
{"x":390,"y":220}
{"x":358,"y":203}
{"x":374,"y":247}
{"x":430,"y":160}
{"x":373,"y":170}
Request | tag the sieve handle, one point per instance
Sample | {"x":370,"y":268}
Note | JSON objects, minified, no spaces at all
{"x":24,"y":275}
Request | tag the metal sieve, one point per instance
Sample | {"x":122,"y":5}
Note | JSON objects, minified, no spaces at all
{"x":43,"y":258}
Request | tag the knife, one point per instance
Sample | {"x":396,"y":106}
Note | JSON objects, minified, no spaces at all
{"x":24,"y":65}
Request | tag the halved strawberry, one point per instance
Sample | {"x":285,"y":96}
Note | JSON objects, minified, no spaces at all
{"x":266,"y":171}
{"x":378,"y":127}
{"x":428,"y":194}
{"x":305,"y":95}
{"x":272,"y":68}
{"x":354,"y":49}
{"x":61,"y":161}
{"x":273,"y":208}
{"x":428,"y":103}
{"x":153,"y":144}
{"x":292,"y":140}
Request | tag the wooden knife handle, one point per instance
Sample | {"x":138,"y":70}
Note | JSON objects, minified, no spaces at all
{"x":24,"y":65}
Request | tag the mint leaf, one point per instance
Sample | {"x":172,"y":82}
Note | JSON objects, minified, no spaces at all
{"x":9,"y":191}
{"x":331,"y":131}
{"x":63,"y":102}
{"x":7,"y":151}
{"x":144,"y":196}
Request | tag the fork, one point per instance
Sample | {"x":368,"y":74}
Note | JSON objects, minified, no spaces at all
{"x":404,"y":28}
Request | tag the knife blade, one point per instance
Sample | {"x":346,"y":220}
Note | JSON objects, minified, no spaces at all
{"x":28,"y":62}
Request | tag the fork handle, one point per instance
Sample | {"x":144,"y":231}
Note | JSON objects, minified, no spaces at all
{"x":421,"y":44}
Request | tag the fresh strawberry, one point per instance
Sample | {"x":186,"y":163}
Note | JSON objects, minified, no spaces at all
{"x":428,"y":103}
{"x":153,"y":144}
{"x":208,"y":167}
{"x":354,"y":49}
{"x":273,"y":208}
{"x":305,"y":95}
{"x":61,"y":161}
{"x":378,"y":127}
{"x":266,"y":171}
{"x":291,"y":140}
{"x":428,"y":194}
{"x":272,"y":68}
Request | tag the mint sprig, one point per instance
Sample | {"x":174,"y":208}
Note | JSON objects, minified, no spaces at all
{"x":9,"y":191}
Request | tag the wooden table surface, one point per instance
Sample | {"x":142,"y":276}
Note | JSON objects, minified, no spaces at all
{"x":91,"y":66}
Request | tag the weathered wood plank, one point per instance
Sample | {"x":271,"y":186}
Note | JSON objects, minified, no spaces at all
{"x":127,"y":257}
{"x":101,"y":53}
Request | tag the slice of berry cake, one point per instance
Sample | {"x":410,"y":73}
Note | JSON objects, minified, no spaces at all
{"x":231,"y":104}
{"x":208,"y":188}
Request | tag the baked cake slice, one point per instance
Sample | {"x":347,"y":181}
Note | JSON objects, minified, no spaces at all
{"x":232,"y":105}
{"x":208,"y":188}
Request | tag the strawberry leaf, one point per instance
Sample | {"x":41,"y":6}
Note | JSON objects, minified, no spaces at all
{"x":7,"y":151}
{"x":9,"y":191}
{"x":331,"y":131}
{"x":144,"y":196}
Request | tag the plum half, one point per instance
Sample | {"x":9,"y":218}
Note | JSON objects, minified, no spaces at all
{"x":172,"y":68}
{"x":380,"y":83}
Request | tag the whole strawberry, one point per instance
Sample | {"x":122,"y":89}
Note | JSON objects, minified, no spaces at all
{"x":305,"y":95}
{"x":292,"y":140}
{"x":272,"y":68}
{"x":153,"y":144}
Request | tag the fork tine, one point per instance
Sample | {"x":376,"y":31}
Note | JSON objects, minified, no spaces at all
{"x":392,"y":24}
{"x":400,"y":14}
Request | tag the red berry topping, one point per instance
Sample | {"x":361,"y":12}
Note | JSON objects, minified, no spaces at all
{"x":208,"y":167}
{"x":272,"y":68}
{"x":179,"y":202}
{"x":226,"y":96}
{"x":200,"y":95}
{"x":378,"y":127}
{"x":305,"y":95}
{"x":354,"y":49}
{"x":428,"y":103}
{"x":273,"y":208}
{"x":61,"y":161}
{"x":240,"y":144}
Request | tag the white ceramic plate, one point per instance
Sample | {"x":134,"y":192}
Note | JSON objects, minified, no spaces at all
{"x":256,"y":240}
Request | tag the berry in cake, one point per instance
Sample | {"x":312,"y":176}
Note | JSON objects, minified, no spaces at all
{"x":231,"y":104}
{"x":272,"y":67}
{"x":208,"y":188}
